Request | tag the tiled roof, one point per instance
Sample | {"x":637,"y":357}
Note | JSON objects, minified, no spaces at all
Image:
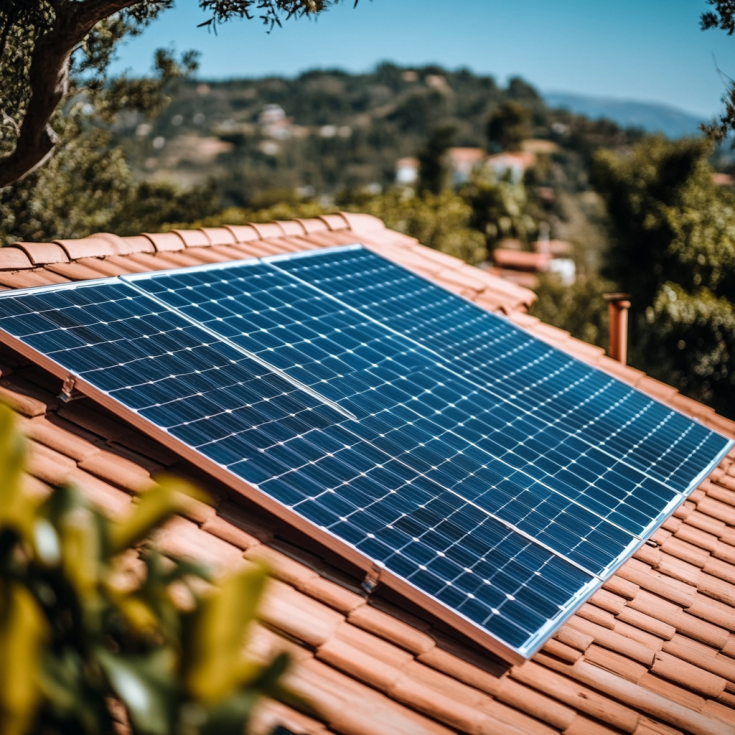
{"x":652,"y":652}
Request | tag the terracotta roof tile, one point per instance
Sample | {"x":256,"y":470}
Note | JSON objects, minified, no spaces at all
{"x":335,"y":221}
{"x":42,"y":253}
{"x":268,"y":230}
{"x":578,"y":696}
{"x":441,"y":706}
{"x":331,"y":593}
{"x":291,"y":227}
{"x":128,"y":245}
{"x":165,"y":241}
{"x":183,"y":539}
{"x":358,"y":222}
{"x":616,"y":663}
{"x":86,"y":247}
{"x":460,"y":669}
{"x":685,"y":623}
{"x":60,"y":440}
{"x":645,"y":577}
{"x":14,"y":258}
{"x":24,"y":404}
{"x":685,"y":551}
{"x":75,"y":271}
{"x":219,"y":235}
{"x":701,"y":656}
{"x":243,"y":233}
{"x":647,"y":623}
{"x":117,"y":471}
{"x":574,"y":637}
{"x":355,"y":709}
{"x":528,"y":700}
{"x":194,"y":238}
{"x":299,"y":616}
{"x":672,"y":691}
{"x":649,"y":640}
{"x":614,"y":641}
{"x":722,"y":712}
{"x":555,"y":647}
{"x":312,"y":225}
{"x":645,"y":700}
{"x":651,"y":727}
{"x":29,"y":279}
{"x":584,"y":726}
{"x":687,"y":675}
{"x":371,"y":619}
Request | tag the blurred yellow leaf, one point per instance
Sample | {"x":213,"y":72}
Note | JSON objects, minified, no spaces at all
{"x":80,"y":549}
{"x":22,"y":632}
{"x":16,"y":508}
{"x":214,"y":665}
{"x":169,"y":496}
{"x":138,"y":614}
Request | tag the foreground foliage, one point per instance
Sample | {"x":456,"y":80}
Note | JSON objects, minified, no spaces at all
{"x":674,"y":250}
{"x":89,"y":626}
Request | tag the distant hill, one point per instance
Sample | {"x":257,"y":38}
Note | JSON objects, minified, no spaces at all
{"x":327,"y":131}
{"x":650,"y":116}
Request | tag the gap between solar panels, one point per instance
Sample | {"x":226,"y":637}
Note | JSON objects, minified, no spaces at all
{"x":488,"y":477}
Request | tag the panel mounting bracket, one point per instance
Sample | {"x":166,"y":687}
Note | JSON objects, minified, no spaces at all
{"x":68,"y":389}
{"x":372,"y":579}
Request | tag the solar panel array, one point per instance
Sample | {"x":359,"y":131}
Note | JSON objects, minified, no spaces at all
{"x":490,"y":471}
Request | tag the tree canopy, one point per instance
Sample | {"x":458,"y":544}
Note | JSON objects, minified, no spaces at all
{"x":722,"y":17}
{"x":673,"y":249}
{"x":509,"y":126}
{"x":55,"y":57}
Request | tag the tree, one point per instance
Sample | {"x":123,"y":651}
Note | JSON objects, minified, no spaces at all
{"x":500,"y":208}
{"x":55,"y":55}
{"x":94,"y":621}
{"x":509,"y":126}
{"x":723,"y":17}
{"x":673,"y":249}
{"x":433,"y":168}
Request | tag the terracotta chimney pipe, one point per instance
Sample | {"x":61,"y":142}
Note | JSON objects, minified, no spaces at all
{"x":619,"y":305}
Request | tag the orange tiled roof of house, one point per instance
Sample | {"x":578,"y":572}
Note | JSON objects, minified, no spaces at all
{"x":651,"y":653}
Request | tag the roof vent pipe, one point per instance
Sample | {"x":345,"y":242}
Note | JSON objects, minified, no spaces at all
{"x":619,"y":305}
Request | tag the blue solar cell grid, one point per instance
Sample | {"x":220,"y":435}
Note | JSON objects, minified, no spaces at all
{"x":490,"y":471}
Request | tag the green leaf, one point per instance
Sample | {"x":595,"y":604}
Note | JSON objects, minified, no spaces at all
{"x":231,"y":716}
{"x":72,"y":695}
{"x":169,"y":496}
{"x":146,"y":686}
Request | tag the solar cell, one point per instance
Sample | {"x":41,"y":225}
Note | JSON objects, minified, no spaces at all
{"x":489,"y":471}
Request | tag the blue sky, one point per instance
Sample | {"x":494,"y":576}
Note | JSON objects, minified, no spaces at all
{"x":650,"y":50}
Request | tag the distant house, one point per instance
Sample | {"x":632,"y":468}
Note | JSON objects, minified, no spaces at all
{"x":462,"y":161}
{"x":523,"y":267}
{"x":274,"y":122}
{"x":515,"y":163}
{"x":407,"y":171}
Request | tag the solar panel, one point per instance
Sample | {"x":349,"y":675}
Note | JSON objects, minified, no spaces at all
{"x":418,"y":412}
{"x":367,"y":427}
{"x":538,"y":379}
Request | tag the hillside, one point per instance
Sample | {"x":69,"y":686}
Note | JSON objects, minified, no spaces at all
{"x":327,"y":131}
{"x":649,"y":116}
